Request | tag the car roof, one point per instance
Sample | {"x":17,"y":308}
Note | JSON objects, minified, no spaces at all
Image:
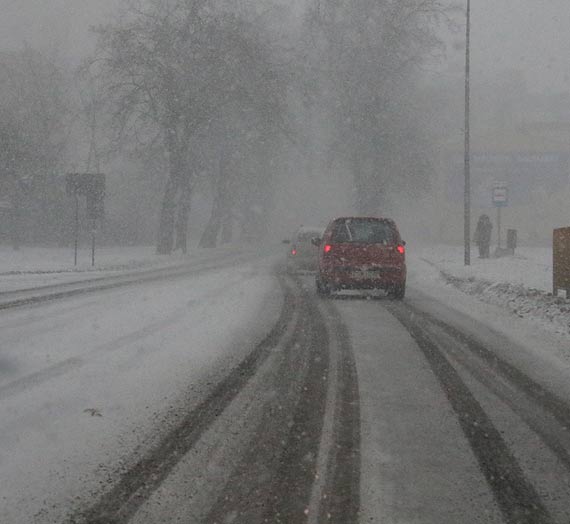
{"x":379,"y":219}
{"x":310,"y":229}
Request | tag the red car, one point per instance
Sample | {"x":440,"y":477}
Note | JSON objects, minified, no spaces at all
{"x":362,"y":253}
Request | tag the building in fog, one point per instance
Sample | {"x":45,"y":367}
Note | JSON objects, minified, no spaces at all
{"x":523,"y":140}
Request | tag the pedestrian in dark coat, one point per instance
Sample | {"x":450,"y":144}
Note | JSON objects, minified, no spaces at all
{"x":483,"y":235}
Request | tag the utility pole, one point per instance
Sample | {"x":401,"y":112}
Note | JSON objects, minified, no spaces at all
{"x":467,"y":164}
{"x":76,"y":231}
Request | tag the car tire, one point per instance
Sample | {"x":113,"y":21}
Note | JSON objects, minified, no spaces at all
{"x":398,"y":292}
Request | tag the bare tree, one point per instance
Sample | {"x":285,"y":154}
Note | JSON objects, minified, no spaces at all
{"x":171,"y":66}
{"x":365,"y":57}
{"x":36,"y":115}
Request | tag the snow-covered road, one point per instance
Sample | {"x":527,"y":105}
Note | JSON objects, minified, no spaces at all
{"x":231,"y":393}
{"x":87,"y":383}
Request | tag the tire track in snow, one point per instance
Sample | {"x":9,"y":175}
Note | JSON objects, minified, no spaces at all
{"x":282,"y":455}
{"x":138,"y":483}
{"x":515,"y":495}
{"x":340,"y":496}
{"x":304,"y":465}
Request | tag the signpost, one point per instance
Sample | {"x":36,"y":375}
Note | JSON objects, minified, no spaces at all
{"x":92,"y":186}
{"x":500,"y":200}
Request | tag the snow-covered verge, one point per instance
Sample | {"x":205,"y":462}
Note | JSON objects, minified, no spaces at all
{"x":38,"y":266}
{"x":52,"y":259}
{"x":522,"y":284}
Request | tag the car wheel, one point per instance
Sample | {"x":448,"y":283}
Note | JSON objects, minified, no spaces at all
{"x":398,"y":292}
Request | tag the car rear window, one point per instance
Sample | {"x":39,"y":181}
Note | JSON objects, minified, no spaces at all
{"x":363,"y":232}
{"x":307,"y":236}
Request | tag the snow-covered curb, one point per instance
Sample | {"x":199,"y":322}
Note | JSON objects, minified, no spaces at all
{"x":553,"y":312}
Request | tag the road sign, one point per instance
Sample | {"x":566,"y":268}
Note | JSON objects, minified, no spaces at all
{"x":500,"y":195}
{"x":92,"y":186}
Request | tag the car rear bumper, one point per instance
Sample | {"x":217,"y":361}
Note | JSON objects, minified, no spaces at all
{"x":358,"y":278}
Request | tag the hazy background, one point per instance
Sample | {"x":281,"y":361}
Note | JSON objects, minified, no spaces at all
{"x":520,"y":51}
{"x":531,"y":35}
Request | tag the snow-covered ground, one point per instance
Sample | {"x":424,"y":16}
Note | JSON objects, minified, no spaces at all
{"x":522,"y":283}
{"x":53,"y":259}
{"x":85,"y":381}
{"x":529,"y":267}
{"x":31,"y":267}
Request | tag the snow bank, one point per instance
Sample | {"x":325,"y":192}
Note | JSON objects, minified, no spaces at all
{"x":521,"y":283}
{"x":31,"y":267}
{"x":49,"y":259}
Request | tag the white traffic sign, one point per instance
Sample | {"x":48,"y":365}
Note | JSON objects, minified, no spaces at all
{"x":500,"y":195}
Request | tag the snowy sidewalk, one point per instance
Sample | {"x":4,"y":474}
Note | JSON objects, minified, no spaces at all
{"x":521,"y":283}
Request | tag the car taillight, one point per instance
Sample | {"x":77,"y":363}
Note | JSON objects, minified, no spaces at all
{"x":401,"y":249}
{"x":293,"y":251}
{"x":328,"y":248}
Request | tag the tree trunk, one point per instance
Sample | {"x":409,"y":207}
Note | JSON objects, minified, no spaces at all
{"x":16,"y":232}
{"x":210,"y":234}
{"x":219,"y":207}
{"x":361,"y":195}
{"x":167,"y":214}
{"x":176,"y":167}
{"x":182,"y":219}
{"x":227,"y":226}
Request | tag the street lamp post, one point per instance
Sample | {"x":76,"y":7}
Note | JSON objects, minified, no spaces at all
{"x":467,"y":166}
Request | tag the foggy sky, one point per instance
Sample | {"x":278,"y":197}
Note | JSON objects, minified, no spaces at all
{"x":529,"y":35}
{"x":60,"y":26}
